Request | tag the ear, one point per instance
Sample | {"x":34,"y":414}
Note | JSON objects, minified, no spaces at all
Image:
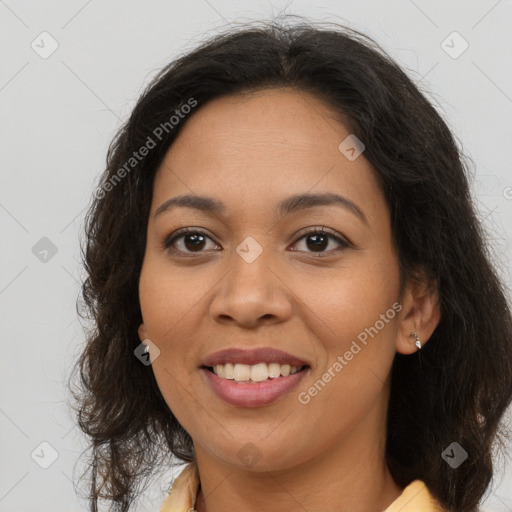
{"x":420,"y":314}
{"x":143,"y":335}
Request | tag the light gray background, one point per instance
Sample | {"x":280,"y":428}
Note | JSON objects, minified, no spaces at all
{"x":58,"y":115}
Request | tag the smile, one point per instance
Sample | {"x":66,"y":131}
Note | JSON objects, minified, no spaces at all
{"x":254,"y":373}
{"x":242,"y":391}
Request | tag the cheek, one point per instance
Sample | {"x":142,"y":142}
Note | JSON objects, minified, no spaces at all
{"x":167,"y":302}
{"x":355,"y":364}
{"x":168,"y":296}
{"x":351,"y":299}
{"x":165,"y":310}
{"x":353,"y":314}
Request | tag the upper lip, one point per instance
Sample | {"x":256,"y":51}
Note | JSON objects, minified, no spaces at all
{"x":252,"y":356}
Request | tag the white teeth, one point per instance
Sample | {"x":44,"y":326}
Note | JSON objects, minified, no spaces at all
{"x":259,"y":372}
{"x":241,"y":372}
{"x":274,"y":370}
{"x":254,"y":373}
{"x":219,"y":370}
{"x":228,"y":371}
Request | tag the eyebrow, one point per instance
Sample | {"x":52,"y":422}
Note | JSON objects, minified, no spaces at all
{"x":285,"y":207}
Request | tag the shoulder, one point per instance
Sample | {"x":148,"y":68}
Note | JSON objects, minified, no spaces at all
{"x":182,"y":496}
{"x":415,"y":498}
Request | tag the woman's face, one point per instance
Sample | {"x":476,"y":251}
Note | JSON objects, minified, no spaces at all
{"x":254,"y":278}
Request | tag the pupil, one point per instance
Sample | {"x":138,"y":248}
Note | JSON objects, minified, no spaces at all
{"x":199,"y":239}
{"x":318,"y":244}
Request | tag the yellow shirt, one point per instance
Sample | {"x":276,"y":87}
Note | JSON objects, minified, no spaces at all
{"x":182,"y":497}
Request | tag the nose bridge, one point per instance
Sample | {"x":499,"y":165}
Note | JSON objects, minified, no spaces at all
{"x":250,"y":291}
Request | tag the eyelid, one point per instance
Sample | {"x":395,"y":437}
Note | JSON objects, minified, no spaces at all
{"x":344,"y":242}
{"x":169,"y":239}
{"x":323,"y":230}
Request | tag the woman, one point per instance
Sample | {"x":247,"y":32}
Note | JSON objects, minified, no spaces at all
{"x":290,"y":289}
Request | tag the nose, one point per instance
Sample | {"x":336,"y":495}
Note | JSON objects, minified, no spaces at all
{"x":251,"y":294}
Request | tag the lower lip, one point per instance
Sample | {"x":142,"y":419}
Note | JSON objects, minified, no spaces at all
{"x":256,"y":394}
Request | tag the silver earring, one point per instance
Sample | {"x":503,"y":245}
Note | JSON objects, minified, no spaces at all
{"x":146,"y":349}
{"x":418,"y":342}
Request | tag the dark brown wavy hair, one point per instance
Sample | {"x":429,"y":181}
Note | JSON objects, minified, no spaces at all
{"x":455,"y":389}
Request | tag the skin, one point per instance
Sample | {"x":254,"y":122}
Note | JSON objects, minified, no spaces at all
{"x":251,"y":151}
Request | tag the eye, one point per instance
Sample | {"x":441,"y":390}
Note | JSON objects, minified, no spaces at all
{"x":318,"y":239}
{"x":189,"y":240}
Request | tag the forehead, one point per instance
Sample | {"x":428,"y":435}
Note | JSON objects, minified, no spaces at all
{"x":250,"y":149}
{"x":282,"y":119}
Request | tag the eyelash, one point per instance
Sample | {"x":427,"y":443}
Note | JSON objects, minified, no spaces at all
{"x":169,"y":240}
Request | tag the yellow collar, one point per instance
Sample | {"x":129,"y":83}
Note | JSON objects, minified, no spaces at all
{"x":182,"y":497}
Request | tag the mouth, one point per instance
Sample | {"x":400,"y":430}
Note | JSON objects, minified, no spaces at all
{"x":236,"y":385}
{"x":252,"y":374}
